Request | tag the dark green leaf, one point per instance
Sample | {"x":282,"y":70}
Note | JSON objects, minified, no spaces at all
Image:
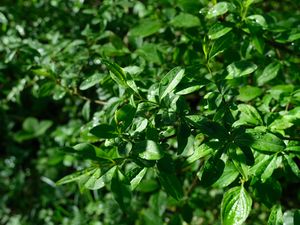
{"x":104,"y":131}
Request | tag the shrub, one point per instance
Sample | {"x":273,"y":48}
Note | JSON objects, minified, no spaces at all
{"x":162,"y":112}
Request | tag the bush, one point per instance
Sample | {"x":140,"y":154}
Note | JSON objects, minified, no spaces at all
{"x":162,"y":112}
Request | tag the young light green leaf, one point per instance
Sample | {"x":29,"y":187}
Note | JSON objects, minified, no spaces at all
{"x":276,"y":217}
{"x":218,"y":30}
{"x":239,"y":69}
{"x":248,"y":93}
{"x":170,"y":81}
{"x":104,"y":131}
{"x":235,"y":206}
{"x":185,"y":20}
{"x":269,"y":73}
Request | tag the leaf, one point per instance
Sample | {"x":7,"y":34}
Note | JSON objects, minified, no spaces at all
{"x":273,"y":164}
{"x":76,"y":176}
{"x":217,"y":10}
{"x":100,"y":181}
{"x":137,"y":179}
{"x":265,"y":142}
{"x":86,"y":110}
{"x":148,"y":150}
{"x":121,"y":190}
{"x":229,"y":175}
{"x":146,"y":28}
{"x":269,"y":73}
{"x":292,"y":164}
{"x":183,"y":133}
{"x":235,"y":206}
{"x":248,"y":93}
{"x":105,"y":131}
{"x":239,"y":69}
{"x":276,"y":217}
{"x":91,"y":81}
{"x":203,"y":150}
{"x":170,"y":81}
{"x":117,"y":73}
{"x":185,"y":20}
{"x":171,"y":185}
{"x":212,"y":171}
{"x":210,"y":128}
{"x":218,"y":30}
{"x":220,"y":45}
{"x":125,"y":115}
{"x":249,"y":115}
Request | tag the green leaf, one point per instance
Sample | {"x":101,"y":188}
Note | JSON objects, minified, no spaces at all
{"x":185,"y":20}
{"x":76,"y":176}
{"x":220,"y":45}
{"x":148,"y":150}
{"x":292,"y":164}
{"x":265,"y":142}
{"x":125,"y":115}
{"x":99,"y":181}
{"x":212,"y":171}
{"x":91,"y":81}
{"x":121,"y":190}
{"x":276,"y":217}
{"x":269,"y":73}
{"x":137,"y":179}
{"x":218,"y":30}
{"x":171,"y":185}
{"x":273,"y":164}
{"x":146,"y":28}
{"x":210,"y":128}
{"x":229,"y":175}
{"x":248,"y":93}
{"x":104,"y":131}
{"x":117,"y":73}
{"x":86,"y":110}
{"x":203,"y":150}
{"x":249,"y":115}
{"x":217,"y":10}
{"x":235,"y":206}
{"x":170,"y":81}
{"x":183,"y":133}
{"x":240,"y":68}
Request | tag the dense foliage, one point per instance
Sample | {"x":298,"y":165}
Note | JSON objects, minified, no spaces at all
{"x":149,"y":112}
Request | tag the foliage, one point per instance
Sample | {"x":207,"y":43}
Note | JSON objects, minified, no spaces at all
{"x":150,"y":112}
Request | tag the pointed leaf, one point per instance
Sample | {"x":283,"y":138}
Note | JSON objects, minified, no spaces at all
{"x":235,"y":206}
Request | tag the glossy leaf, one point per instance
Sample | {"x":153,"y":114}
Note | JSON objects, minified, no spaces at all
{"x":239,"y":69}
{"x":235,"y":206}
{"x":170,"y":81}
